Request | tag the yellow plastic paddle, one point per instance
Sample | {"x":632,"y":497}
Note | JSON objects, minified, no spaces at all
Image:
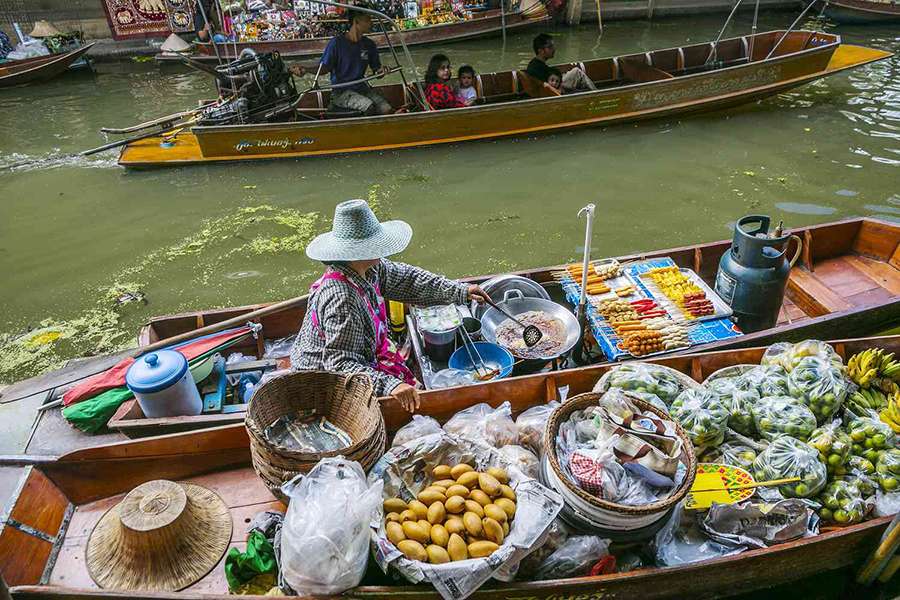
{"x":748,"y":486}
{"x":724,"y":484}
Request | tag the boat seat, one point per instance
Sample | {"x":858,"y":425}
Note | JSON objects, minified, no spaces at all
{"x":642,"y":72}
{"x":535,"y":88}
{"x":336,"y":112}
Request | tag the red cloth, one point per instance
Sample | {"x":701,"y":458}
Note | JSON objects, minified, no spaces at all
{"x":115,"y":376}
{"x":588,"y":473}
{"x":440,"y":95}
{"x":604,"y":566}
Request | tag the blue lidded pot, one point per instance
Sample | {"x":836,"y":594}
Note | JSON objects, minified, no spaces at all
{"x":163,"y":386}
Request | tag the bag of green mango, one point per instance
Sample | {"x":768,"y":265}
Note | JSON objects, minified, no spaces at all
{"x":788,"y":457}
{"x":870,"y":437}
{"x":656,"y":384}
{"x":733,"y":393}
{"x":842,"y":503}
{"x":887,"y":469}
{"x":702,"y":415}
{"x":820,"y":385}
{"x":769,"y":380}
{"x":833,"y":445}
{"x":783,"y":415}
{"x":789,"y":356}
{"x":732,"y":453}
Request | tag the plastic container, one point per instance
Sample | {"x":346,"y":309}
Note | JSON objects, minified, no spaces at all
{"x":163,"y":386}
{"x":494,"y":357}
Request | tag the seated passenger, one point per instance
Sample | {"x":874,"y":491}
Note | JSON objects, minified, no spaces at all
{"x":438,"y":90}
{"x":467,"y":93}
{"x":573,"y":80}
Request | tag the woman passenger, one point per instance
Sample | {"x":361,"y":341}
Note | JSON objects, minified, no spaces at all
{"x":438,"y":91}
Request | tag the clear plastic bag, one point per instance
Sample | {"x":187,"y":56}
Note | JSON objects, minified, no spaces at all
{"x":702,"y":415}
{"x":833,"y":445}
{"x":573,"y":558}
{"x":419,"y":426}
{"x":769,"y":380}
{"x":325,"y":537}
{"x":681,"y":541}
{"x":532,"y":424}
{"x":870,"y":437}
{"x":887,"y":504}
{"x":788,"y":457}
{"x":789,"y":355}
{"x":732,"y":453}
{"x":649,"y":381}
{"x":552,"y":539}
{"x":733,"y":392}
{"x":494,"y":427}
{"x":820,"y":385}
{"x":887,"y":470}
{"x":523,"y":458}
{"x":842,"y":503}
{"x":783,"y":415}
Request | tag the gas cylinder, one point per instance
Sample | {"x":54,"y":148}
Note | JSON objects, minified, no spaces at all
{"x":754,"y":272}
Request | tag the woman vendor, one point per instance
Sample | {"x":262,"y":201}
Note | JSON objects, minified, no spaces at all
{"x":345,"y":328}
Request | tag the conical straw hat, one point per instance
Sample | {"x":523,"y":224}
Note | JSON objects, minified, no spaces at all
{"x":44,"y":29}
{"x":164,"y":536}
{"x":174,"y":43}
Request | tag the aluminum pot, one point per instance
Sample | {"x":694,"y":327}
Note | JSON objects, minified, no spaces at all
{"x":439,"y":345}
{"x":515,"y":304}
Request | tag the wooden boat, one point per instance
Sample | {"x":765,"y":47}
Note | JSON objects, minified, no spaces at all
{"x":857,"y":12}
{"x":638,"y":86}
{"x":487,"y":23}
{"x":59,"y":501}
{"x":847,"y":284}
{"x":39,"y":68}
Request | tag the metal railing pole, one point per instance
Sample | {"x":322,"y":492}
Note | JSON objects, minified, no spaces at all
{"x":789,"y":29}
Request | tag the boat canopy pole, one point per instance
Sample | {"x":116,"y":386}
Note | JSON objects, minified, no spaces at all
{"x":713,"y":53}
{"x":789,"y":29}
{"x":753,"y":32}
{"x":209,"y":31}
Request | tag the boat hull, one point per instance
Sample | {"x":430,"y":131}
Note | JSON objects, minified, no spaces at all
{"x":861,"y":12}
{"x":41,"y":68}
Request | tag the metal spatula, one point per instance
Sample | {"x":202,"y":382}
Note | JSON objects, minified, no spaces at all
{"x":530,"y":333}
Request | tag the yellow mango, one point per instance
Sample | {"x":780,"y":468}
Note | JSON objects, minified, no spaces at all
{"x":392,"y":516}
{"x":413,"y":550}
{"x":445,"y":483}
{"x":508,"y":506}
{"x":456,"y":548}
{"x":437,"y":513}
{"x":507,"y":492}
{"x":498,"y":474}
{"x":473,"y":524}
{"x":468,"y":479}
{"x":482,"y":549}
{"x":455,"y":504}
{"x":455,"y":525}
{"x":480,"y":497}
{"x":419,"y":509}
{"x":414,"y":531}
{"x":394,"y":505}
{"x":442,"y":472}
{"x":437,"y":555}
{"x":439,"y":535}
{"x":495,"y":512}
{"x":472,"y":506}
{"x":429,"y":497}
{"x":493,"y":531}
{"x":488,"y":484}
{"x":458,"y":490}
{"x":458,"y":470}
{"x":408,"y":515}
{"x":395,"y":532}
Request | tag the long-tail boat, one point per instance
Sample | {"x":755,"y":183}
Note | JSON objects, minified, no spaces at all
{"x":856,"y":12}
{"x":40,"y":68}
{"x":489,"y":22}
{"x":846,"y":284}
{"x":59,"y":500}
{"x":659,"y":83}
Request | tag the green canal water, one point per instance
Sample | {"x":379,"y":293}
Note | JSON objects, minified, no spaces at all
{"x":75,"y":234}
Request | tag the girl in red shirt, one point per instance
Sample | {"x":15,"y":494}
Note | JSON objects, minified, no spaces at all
{"x":438,"y":90}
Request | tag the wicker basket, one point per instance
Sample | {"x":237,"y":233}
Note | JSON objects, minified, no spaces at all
{"x":602,"y":514}
{"x":347,"y":401}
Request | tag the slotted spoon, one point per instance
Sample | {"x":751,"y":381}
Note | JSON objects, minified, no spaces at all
{"x":530,"y":333}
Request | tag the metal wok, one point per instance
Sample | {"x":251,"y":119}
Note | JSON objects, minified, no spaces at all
{"x":515,"y":303}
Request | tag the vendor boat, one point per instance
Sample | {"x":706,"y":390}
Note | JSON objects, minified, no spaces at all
{"x":858,"y":12}
{"x":58,"y":501}
{"x":486,"y":23}
{"x":658,"y":83}
{"x":846,"y":284}
{"x":40,"y":68}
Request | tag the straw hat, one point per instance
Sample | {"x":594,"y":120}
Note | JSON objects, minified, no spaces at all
{"x":174,"y":43}
{"x":164,"y":536}
{"x":44,"y":29}
{"x":357,"y":235}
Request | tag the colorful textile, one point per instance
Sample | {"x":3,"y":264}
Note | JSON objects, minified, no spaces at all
{"x":115,"y":376}
{"x":588,"y":473}
{"x":92,"y":415}
{"x":247,"y":566}
{"x":148,"y":18}
{"x":440,"y":95}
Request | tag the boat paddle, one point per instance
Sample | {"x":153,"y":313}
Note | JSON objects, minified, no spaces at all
{"x":579,"y":355}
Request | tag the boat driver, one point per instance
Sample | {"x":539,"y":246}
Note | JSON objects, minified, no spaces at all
{"x":346,"y":58}
{"x":573,"y":80}
{"x":345,"y":328}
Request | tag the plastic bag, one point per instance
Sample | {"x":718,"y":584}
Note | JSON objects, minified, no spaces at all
{"x":783,"y":415}
{"x":532,"y":424}
{"x":325,"y":537}
{"x":402,"y":471}
{"x":820,"y":385}
{"x":789,"y":355}
{"x":494,"y":427}
{"x":833,"y":445}
{"x":759,"y":525}
{"x":279,"y":348}
{"x":887,"y":469}
{"x":732,"y":453}
{"x":870,"y":437}
{"x":887,"y":504}
{"x":418,"y":427}
{"x":573,"y":558}
{"x":651,"y":382}
{"x":769,"y":380}
{"x":739,"y":400}
{"x":524,"y":459}
{"x":789,"y":457}
{"x":703,"y":416}
{"x":553,"y":538}
{"x":681,"y":541}
{"x":842,"y":503}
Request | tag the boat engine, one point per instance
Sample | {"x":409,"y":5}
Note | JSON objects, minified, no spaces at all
{"x":258,"y":84}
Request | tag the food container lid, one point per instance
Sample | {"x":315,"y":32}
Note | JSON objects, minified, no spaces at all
{"x":156,"y":371}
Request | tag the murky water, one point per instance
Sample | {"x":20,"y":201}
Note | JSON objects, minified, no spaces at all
{"x":78,"y":236}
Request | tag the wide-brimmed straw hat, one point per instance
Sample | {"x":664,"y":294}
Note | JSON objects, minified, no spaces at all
{"x":44,"y":29}
{"x":163,"y":536}
{"x":357,"y":235}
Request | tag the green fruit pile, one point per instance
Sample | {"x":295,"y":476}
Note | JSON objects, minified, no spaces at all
{"x":842,"y":503}
{"x":887,"y":470}
{"x":783,"y":415}
{"x":702,"y":415}
{"x":788,"y":457}
{"x":645,"y":378}
{"x":870,"y":438}
{"x":789,"y":356}
{"x":820,"y":385}
{"x":833,"y":446}
{"x":730,"y":453}
{"x":769,"y":380}
{"x":732,"y":392}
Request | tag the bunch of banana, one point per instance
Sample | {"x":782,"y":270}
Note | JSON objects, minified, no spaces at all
{"x":891,"y":413}
{"x":865,"y":400}
{"x":873,"y":368}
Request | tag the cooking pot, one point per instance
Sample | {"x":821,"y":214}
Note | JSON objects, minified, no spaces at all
{"x":515,"y":303}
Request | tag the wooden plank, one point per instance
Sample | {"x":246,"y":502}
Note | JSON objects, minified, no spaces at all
{"x":24,"y":556}
{"x":871,"y":298}
{"x":880,"y":273}
{"x":40,"y":504}
{"x":895,"y":258}
{"x":814,"y":297}
{"x":876,"y":239}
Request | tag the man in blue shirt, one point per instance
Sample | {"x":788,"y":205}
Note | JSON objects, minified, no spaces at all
{"x":346,"y":58}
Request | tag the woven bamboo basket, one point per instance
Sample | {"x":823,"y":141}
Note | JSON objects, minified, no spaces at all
{"x":348,"y":402}
{"x":603,"y":513}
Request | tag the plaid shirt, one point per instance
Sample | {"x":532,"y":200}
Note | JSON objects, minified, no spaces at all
{"x":349,"y":341}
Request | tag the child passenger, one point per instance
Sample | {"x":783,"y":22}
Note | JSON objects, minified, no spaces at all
{"x":467,"y":92}
{"x":554,"y":80}
{"x":438,"y":90}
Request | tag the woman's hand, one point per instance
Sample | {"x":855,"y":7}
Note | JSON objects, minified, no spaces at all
{"x":477,"y":294}
{"x":408,"y":396}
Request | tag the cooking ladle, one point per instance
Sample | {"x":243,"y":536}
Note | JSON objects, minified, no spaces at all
{"x":530,"y":333}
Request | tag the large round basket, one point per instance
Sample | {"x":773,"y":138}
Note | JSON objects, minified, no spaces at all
{"x":620,"y":522}
{"x":346,"y":401}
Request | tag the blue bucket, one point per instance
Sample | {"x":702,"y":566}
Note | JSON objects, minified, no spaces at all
{"x":494,"y":357}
